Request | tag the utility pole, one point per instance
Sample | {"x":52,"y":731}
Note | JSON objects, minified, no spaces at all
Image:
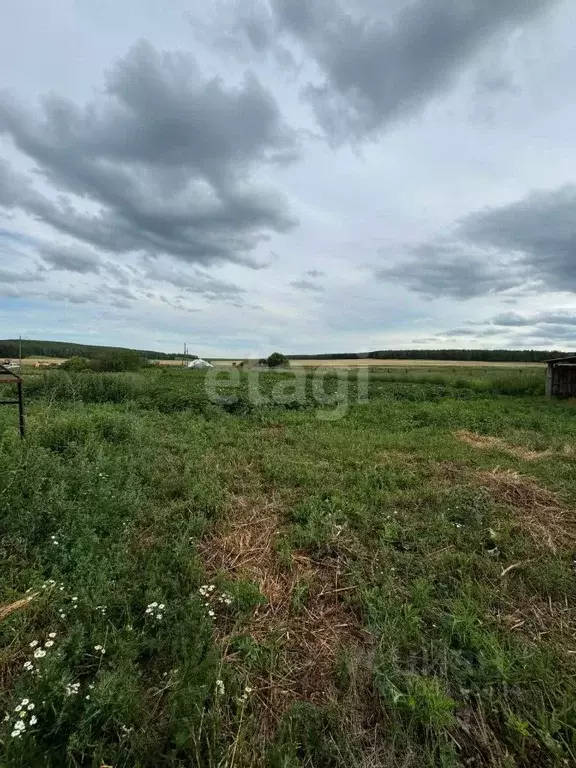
{"x":20,"y":354}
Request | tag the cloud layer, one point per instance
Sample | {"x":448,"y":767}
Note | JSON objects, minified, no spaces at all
{"x":295,"y":174}
{"x":161,"y":160}
{"x":529,"y":244}
{"x":377,"y":68}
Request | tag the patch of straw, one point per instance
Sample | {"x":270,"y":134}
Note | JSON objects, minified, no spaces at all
{"x":309,"y":637}
{"x":539,"y":510}
{"x":8,"y":608}
{"x":488,"y":442}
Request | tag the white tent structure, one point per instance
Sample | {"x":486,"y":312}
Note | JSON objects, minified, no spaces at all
{"x":199,"y":363}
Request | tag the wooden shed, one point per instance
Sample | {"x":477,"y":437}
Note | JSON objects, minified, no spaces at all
{"x":561,"y":377}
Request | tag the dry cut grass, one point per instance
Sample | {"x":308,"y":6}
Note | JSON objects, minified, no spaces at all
{"x":540,"y":511}
{"x":304,"y":614}
{"x":17,"y":605}
{"x":488,"y":442}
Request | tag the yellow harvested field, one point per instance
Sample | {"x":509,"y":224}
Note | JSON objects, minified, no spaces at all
{"x":365,"y":363}
{"x":41,"y":360}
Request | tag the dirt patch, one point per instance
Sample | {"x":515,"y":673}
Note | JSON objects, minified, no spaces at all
{"x":541,"y":512}
{"x":304,"y":613}
{"x":487,"y":442}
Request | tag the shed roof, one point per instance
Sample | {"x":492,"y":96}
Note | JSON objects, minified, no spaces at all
{"x":570,"y":360}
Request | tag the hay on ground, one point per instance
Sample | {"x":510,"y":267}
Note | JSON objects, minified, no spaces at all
{"x":309,"y":636}
{"x":8,"y":608}
{"x":488,"y":442}
{"x":539,"y":510}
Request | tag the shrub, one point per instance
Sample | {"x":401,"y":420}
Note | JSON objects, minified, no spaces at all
{"x":76,"y":364}
{"x":117,"y":360}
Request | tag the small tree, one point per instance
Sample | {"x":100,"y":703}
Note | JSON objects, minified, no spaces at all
{"x":116,"y":360}
{"x":277,"y":360}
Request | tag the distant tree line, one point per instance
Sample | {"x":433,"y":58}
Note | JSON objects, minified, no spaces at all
{"x":472,"y":355}
{"x":10,"y":348}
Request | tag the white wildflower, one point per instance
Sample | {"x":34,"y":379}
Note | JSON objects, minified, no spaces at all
{"x":211,"y":613}
{"x":16,"y":734}
{"x":99,"y":648}
{"x":33,"y":720}
{"x":25,"y":702}
{"x":74,"y":599}
{"x":52,"y":635}
{"x":161,"y":606}
{"x":49,"y":643}
{"x":30,"y":707}
{"x":33,"y":644}
{"x":39,"y":653}
{"x":19,"y":725}
{"x":220,"y":686}
{"x":159,"y":616}
{"x":18,"y":708}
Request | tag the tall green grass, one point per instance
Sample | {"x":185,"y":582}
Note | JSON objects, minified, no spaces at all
{"x":450,"y":659}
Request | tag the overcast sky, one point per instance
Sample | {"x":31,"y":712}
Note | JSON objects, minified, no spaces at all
{"x":301,"y":175}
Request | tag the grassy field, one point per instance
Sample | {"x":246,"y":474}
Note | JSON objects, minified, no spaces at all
{"x":194,"y":574}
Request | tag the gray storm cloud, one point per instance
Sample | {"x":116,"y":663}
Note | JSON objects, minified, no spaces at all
{"x":164,"y":156}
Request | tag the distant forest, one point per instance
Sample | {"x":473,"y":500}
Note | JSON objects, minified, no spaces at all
{"x":10,"y":348}
{"x":473,"y":355}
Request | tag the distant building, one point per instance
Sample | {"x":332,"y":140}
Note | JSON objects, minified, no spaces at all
{"x":199,"y":363}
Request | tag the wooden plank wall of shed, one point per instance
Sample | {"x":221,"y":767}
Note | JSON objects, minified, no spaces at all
{"x":562,"y":381}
